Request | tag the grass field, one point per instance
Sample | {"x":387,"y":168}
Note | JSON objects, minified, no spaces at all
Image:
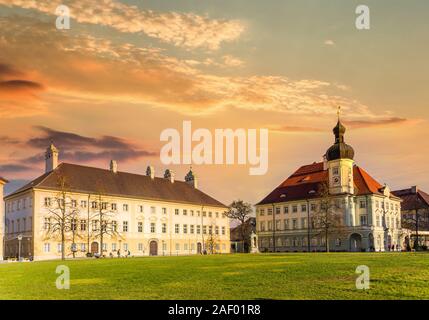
{"x":264,"y":276}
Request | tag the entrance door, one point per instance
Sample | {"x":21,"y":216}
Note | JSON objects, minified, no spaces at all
{"x":94,"y":247}
{"x":153,"y":248}
{"x":199,"y":248}
{"x":355,"y":242}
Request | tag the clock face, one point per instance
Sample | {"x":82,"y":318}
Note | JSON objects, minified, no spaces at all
{"x":336,"y":180}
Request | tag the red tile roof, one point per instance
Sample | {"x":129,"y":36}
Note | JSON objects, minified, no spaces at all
{"x":305,"y":183}
{"x":84,"y":179}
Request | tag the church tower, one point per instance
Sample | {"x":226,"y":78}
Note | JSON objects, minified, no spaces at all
{"x":340,"y":163}
{"x":51,"y":158}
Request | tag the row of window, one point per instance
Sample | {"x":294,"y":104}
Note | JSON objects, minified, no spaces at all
{"x":20,"y":225}
{"x":113,"y":226}
{"x":19,"y":204}
{"x":125,"y":247}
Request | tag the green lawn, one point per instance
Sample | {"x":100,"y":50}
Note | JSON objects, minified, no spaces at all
{"x":263,"y":276}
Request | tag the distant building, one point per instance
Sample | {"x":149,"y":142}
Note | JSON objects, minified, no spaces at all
{"x":415,"y":214}
{"x":150,"y":215}
{"x":237,"y":243}
{"x":369,"y":212}
{"x":2,"y":217}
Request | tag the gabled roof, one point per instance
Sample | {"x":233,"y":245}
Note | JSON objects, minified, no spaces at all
{"x":413,"y":198}
{"x":84,"y":179}
{"x":305,"y":183}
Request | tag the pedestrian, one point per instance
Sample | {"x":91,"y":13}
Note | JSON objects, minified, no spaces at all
{"x":119,"y":253}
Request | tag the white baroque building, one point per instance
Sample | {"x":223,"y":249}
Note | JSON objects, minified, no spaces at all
{"x":150,"y":215}
{"x":370,"y":213}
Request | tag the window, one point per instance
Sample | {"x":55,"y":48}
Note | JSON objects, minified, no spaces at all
{"x":104,"y":206}
{"x":362,"y":204}
{"x":94,"y":224}
{"x":313,"y":207}
{"x":164,"y":246}
{"x":24,"y":224}
{"x":217,"y":215}
{"x":363,"y":220}
{"x":270,"y":225}
{"x":59,"y":247}
{"x":198,"y":229}
{"x":176,"y":228}
{"x":47,"y":247}
{"x":164,"y":228}
{"x":295,"y":209}
{"x":286,"y":209}
{"x":177,"y":247}
{"x":152,"y":227}
{"x":277,"y":224}
{"x":191,"y":230}
{"x":204,"y":229}
{"x":140,"y":227}
{"x":277,"y":210}
{"x":73,"y":224}
{"x":210,"y":214}
{"x":125,"y":226}
{"x":125,"y":247}
{"x":303,"y":223}
{"x":176,"y":212}
{"x":216,"y":230}
{"x":47,"y":202}
{"x":338,"y":242}
{"x":294,"y":224}
{"x":113,"y":246}
{"x":185,"y":246}
{"x":83,"y":204}
{"x":204,"y":214}
{"x":83,"y":247}
{"x":286,"y":224}
{"x":140,"y":247}
{"x":46,"y":225}
{"x":74,"y":203}
{"x":153,"y":210}
{"x":377,"y":204}
{"x":303,"y":208}
{"x":18,"y":224}
{"x":114,"y":207}
{"x":335,"y":171}
{"x":114,"y":226}
{"x":261,"y":212}
{"x":125,"y":207}
{"x":270,"y":211}
{"x":185,"y":212}
{"x":377,"y":220}
{"x":262,"y":226}
{"x":223,"y":230}
{"x":164,"y":210}
{"x":185,"y":228}
{"x":210,"y":229}
{"x":141,"y":209}
{"x":104,"y":246}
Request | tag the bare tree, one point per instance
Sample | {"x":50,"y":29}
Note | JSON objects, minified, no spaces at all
{"x":416,"y":220}
{"x":240,"y":211}
{"x":103,"y":214}
{"x":328,"y":219}
{"x":61,"y":213}
{"x":211,"y":243}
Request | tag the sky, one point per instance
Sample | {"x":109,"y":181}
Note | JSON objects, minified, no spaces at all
{"x":127,"y":70}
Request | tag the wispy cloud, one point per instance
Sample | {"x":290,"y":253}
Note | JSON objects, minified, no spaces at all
{"x":381,"y":122}
{"x":187,"y":30}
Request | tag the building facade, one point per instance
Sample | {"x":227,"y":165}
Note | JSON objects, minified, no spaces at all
{"x":368,"y":214}
{"x":415,"y":215}
{"x":2,"y":217}
{"x":135,"y":214}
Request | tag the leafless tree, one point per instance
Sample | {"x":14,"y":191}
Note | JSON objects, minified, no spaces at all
{"x":240,"y":211}
{"x":103,"y":213}
{"x":211,"y":243}
{"x":62,"y":212}
{"x":417,"y":219}
{"x":327,"y":220}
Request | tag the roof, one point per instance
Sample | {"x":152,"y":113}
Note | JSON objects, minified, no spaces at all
{"x":305,"y":183}
{"x":413,"y":198}
{"x":3,"y":180}
{"x":84,"y":179}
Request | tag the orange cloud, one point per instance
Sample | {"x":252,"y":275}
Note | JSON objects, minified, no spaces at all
{"x":180,"y":29}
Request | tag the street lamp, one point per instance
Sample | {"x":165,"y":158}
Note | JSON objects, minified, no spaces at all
{"x":19,"y":246}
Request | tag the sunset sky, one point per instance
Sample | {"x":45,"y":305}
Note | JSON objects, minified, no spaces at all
{"x":126,"y":70}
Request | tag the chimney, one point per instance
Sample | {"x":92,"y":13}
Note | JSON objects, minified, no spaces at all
{"x":325,"y":162}
{"x":169,"y":174}
{"x":2,"y":219}
{"x":191,"y":179}
{"x":51,"y":158}
{"x":414,"y":189}
{"x":113,"y":166}
{"x":150,"y":172}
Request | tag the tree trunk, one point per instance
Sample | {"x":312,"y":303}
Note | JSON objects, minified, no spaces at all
{"x":326,"y":240}
{"x":63,"y":255}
